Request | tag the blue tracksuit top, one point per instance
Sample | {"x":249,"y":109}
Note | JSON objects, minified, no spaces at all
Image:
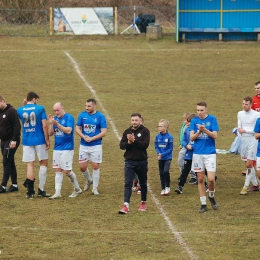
{"x":163,"y":145}
{"x":185,"y":142}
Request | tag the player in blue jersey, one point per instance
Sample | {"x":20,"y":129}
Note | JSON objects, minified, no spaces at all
{"x":163,"y":145}
{"x":35,"y":140}
{"x":62,"y":127}
{"x":203,"y":131}
{"x":91,"y":127}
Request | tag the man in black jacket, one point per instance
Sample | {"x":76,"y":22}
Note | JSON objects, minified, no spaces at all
{"x":135,"y":141}
{"x":10,"y":131}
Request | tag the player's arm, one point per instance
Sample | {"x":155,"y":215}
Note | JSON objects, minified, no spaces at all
{"x":103,"y":132}
{"x":194,"y":136}
{"x":50,"y":129}
{"x":79,"y":131}
{"x":65,"y":129}
{"x":46,"y":134}
{"x":257,"y":136}
{"x":212,"y":134}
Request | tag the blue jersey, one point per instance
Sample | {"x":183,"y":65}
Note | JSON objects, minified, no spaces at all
{"x":204,"y":144}
{"x":64,"y":141}
{"x":257,"y":130}
{"x":163,"y":145}
{"x":91,"y":125}
{"x":31,"y":116}
{"x":186,"y":140}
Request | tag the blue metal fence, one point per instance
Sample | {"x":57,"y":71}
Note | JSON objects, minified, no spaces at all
{"x":206,"y":19}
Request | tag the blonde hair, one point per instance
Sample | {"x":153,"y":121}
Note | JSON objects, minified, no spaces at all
{"x":186,"y":115}
{"x":166,"y":123}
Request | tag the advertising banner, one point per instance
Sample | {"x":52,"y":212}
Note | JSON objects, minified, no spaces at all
{"x":84,"y":21}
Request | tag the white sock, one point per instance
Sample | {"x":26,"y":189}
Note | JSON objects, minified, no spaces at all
{"x":253,"y":177}
{"x":58,"y":182}
{"x":248,"y":178}
{"x":86,"y":175}
{"x":211,"y":193}
{"x":73,"y":178}
{"x":127,"y":204}
{"x":203,"y":200}
{"x":15,"y":185}
{"x":42,"y":177}
{"x":96,"y":176}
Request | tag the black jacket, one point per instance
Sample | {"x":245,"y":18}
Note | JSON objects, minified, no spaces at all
{"x":10,"y":127}
{"x":137,"y":150}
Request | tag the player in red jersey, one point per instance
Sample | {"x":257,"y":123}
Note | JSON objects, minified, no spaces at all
{"x":256,"y":98}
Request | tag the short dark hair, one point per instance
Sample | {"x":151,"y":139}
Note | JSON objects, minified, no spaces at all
{"x":258,"y":82}
{"x":136,"y":114}
{"x":31,"y":95}
{"x":248,"y":99}
{"x":92,"y":100}
{"x":202,"y":103}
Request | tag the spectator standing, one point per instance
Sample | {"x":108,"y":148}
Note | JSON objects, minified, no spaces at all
{"x":62,"y":127}
{"x":10,"y":132}
{"x":35,"y":140}
{"x":91,"y":127}
{"x":135,"y":141}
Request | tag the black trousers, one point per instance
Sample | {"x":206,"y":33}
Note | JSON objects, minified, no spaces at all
{"x":164,"y":171}
{"x":131,"y":168}
{"x":9,"y":162}
{"x":185,"y":172}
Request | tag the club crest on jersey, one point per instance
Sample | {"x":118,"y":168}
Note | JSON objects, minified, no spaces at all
{"x":139,"y":134}
{"x":166,"y":140}
{"x":4,"y":116}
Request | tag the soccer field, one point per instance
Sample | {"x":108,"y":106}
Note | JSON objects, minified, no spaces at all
{"x":127,"y":74}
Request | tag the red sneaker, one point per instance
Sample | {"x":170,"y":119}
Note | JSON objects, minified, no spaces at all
{"x":142,"y":206}
{"x":254,"y":188}
{"x":123,"y":210}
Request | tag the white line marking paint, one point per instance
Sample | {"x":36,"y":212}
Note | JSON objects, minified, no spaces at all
{"x":159,"y":206}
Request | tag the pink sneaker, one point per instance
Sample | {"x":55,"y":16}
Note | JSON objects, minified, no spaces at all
{"x":142,"y":206}
{"x":254,"y":188}
{"x":123,"y":210}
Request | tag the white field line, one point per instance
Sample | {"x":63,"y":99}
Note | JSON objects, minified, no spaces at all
{"x":172,"y":228}
{"x":29,"y":229}
{"x":140,"y":50}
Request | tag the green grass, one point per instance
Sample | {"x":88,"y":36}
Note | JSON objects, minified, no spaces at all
{"x":159,"y":79}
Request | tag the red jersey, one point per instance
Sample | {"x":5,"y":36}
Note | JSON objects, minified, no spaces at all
{"x":256,"y":103}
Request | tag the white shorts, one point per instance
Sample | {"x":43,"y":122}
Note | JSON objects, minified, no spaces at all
{"x":29,"y":153}
{"x":90,"y":153}
{"x":248,"y":148}
{"x":201,"y":162}
{"x":62,"y":159}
